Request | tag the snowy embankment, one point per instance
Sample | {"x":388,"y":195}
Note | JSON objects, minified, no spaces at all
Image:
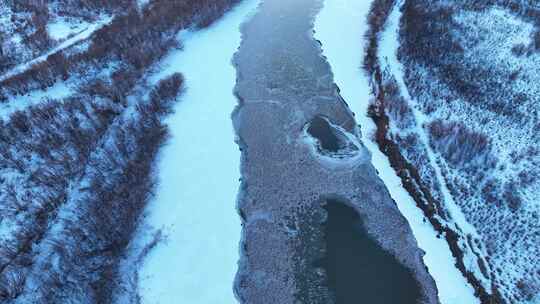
{"x":340,"y":27}
{"x":199,"y":173}
{"x":388,"y":46}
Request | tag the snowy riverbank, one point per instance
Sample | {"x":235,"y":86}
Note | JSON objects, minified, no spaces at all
{"x":199,"y":175}
{"x":345,"y":53}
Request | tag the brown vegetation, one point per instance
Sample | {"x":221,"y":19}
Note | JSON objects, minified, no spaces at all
{"x":79,"y":165}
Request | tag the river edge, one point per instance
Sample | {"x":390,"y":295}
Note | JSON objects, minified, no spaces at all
{"x":407,"y":173}
{"x":198,"y":170}
{"x":346,"y":56}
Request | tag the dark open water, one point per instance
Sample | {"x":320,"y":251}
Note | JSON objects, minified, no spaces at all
{"x":320,"y":129}
{"x":358,"y":270}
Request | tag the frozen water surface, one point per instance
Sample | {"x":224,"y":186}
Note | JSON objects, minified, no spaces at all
{"x":199,"y":175}
{"x":289,"y":171}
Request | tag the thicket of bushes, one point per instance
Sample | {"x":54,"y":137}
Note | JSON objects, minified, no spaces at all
{"x":79,"y":166}
{"x":86,"y":172}
{"x":378,"y":14}
{"x":395,"y":105}
{"x":443,"y":67}
{"x":428,"y":39}
{"x":459,"y":145}
{"x":164,"y":93}
{"x":43,"y":149}
{"x":30,"y":19}
{"x":89,"y":9}
{"x":101,"y":223}
{"x":137,"y":39}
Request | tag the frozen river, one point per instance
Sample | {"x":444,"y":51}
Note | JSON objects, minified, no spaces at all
{"x":199,"y":175}
{"x":315,"y":212}
{"x":301,"y":150}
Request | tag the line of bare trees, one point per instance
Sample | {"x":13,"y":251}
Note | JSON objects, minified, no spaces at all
{"x":75,"y":174}
{"x":137,"y":39}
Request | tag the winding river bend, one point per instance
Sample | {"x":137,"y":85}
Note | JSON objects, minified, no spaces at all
{"x":301,"y":149}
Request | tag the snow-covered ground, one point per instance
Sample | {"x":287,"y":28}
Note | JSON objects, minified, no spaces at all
{"x":61,"y":28}
{"x":345,"y":53}
{"x":82,"y":35}
{"x":388,"y":47}
{"x":199,"y":174}
{"x":142,"y":3}
{"x":20,"y":102}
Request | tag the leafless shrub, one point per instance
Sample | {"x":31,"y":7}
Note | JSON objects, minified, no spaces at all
{"x":378,"y":14}
{"x":512,"y":196}
{"x":11,"y":284}
{"x":458,"y":144}
{"x":165,"y":93}
{"x":490,"y":192}
{"x":137,"y":39}
{"x":54,"y":146}
{"x":519,"y":50}
{"x":527,"y":289}
{"x":395,"y":105}
{"x":536,"y":38}
{"x":527,"y":177}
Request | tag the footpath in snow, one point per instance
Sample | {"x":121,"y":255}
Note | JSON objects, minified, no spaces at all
{"x":340,"y":27}
{"x":85,"y":34}
{"x":199,"y":173}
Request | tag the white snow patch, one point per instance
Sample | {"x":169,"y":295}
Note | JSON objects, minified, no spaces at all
{"x":59,"y":90}
{"x":142,"y":3}
{"x":61,"y":28}
{"x":6,"y":24}
{"x":6,"y":229}
{"x":199,"y":173}
{"x":345,"y":53}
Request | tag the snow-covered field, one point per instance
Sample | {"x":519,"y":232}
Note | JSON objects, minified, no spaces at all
{"x":345,"y":53}
{"x":199,"y":174}
{"x":61,"y":28}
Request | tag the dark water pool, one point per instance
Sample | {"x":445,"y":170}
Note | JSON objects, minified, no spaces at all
{"x":320,"y":129}
{"x":359,"y":270}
